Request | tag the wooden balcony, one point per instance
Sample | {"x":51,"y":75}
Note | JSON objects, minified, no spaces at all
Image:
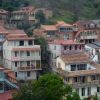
{"x":81,"y":84}
{"x":89,"y":37}
{"x":28,"y":68}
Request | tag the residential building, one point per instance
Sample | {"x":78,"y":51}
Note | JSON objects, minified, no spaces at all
{"x":3,"y":16}
{"x":88,"y":24}
{"x":3,"y":33}
{"x":93,"y":49}
{"x":86,"y":36}
{"x":59,"y":47}
{"x":7,"y":80}
{"x":80,"y":72}
{"x":61,"y":30}
{"x":49,"y":31}
{"x":22,"y":56}
{"x":65,"y":30}
{"x":23,"y":16}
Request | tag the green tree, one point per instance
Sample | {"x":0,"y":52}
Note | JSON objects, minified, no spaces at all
{"x":40,"y":16}
{"x":95,"y":97}
{"x":48,"y":87}
{"x":44,"y":51}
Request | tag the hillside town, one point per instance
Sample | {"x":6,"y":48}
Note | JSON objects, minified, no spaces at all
{"x":74,"y":51}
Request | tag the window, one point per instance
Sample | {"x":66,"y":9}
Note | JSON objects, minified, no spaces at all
{"x":98,"y":89}
{"x":54,"y":47}
{"x":89,"y":91}
{"x":16,"y":53}
{"x":65,"y":47}
{"x":39,"y":53}
{"x":16,"y":74}
{"x":28,"y":53}
{"x":70,"y":47}
{"x":59,"y":65}
{"x":67,"y":79}
{"x":83,"y":91}
{"x":21,"y":43}
{"x":38,"y":64}
{"x":28,"y":74}
{"x":30,"y":42}
{"x":75,"y":79}
{"x":15,"y":64}
{"x":73,"y":67}
{"x":97,"y":52}
{"x":62,"y":29}
{"x":81,"y":67}
{"x":93,"y":77}
{"x":77,"y":90}
{"x":75,"y":47}
{"x":28,"y":63}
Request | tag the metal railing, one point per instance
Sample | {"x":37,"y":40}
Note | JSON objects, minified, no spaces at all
{"x":28,"y":68}
{"x":83,"y":84}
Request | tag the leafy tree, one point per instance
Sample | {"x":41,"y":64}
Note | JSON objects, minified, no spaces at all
{"x":48,"y":87}
{"x":95,"y":97}
{"x":40,"y":16}
{"x":44,"y":51}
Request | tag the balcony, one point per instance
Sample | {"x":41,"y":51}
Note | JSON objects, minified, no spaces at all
{"x":28,"y":68}
{"x":80,"y":84}
{"x":35,"y":57}
{"x":89,"y":37}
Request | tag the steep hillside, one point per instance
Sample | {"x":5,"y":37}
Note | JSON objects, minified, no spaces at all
{"x":67,"y":10}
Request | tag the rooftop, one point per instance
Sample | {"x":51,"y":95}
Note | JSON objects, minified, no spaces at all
{"x":25,"y":10}
{"x":3,"y":30}
{"x":49,"y":27}
{"x":18,"y":35}
{"x":7,"y":95}
{"x":75,"y":58}
{"x":63,"y":24}
{"x":95,"y":45}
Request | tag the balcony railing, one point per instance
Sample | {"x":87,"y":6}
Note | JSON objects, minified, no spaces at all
{"x":89,"y":37}
{"x":25,"y":58}
{"x":81,"y":84}
{"x":28,"y":68}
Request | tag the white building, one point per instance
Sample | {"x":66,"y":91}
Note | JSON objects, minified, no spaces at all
{"x":3,"y":33}
{"x":22,"y":56}
{"x":94,"y":51}
{"x":59,"y":47}
{"x":80,"y":72}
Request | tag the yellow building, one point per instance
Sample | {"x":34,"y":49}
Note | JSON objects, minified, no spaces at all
{"x":80,"y":72}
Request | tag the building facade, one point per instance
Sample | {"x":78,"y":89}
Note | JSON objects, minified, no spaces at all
{"x":78,"y":71}
{"x":7,"y":80}
{"x":22,"y":56}
{"x":25,"y":15}
{"x":93,"y":49}
{"x":59,"y":47}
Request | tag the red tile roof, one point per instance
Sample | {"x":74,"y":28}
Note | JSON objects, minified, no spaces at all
{"x":18,"y":35}
{"x":63,"y":24}
{"x":16,"y":31}
{"x":79,"y":57}
{"x":3,"y":30}
{"x":25,"y":10}
{"x":7,"y":95}
{"x":49,"y":27}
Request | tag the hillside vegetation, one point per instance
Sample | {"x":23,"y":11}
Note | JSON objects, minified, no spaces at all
{"x":67,"y":10}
